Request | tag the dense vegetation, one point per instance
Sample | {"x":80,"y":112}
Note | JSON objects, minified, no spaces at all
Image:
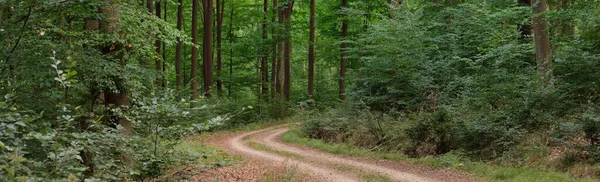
{"x":103,"y":90}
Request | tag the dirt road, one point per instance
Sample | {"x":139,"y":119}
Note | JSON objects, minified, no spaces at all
{"x":268,"y":158}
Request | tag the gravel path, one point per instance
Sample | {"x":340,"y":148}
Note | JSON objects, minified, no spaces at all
{"x":313,"y":165}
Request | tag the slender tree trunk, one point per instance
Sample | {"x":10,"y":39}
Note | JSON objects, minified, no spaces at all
{"x":220,"y":13}
{"x":207,"y":46}
{"x":263,"y":63}
{"x":164,"y":50}
{"x":194,"y":72}
{"x":288,"y":48}
{"x":311,"y":52}
{"x":86,"y":155}
{"x":542,"y":43}
{"x":280,"y":48}
{"x":230,"y":86}
{"x":342,"y":83}
{"x":158,"y":44}
{"x":178,"y":76}
{"x":274,"y":52}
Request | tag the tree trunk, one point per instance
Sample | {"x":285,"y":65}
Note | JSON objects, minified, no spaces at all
{"x":287,"y":48}
{"x":280,"y":48}
{"x":220,"y":13}
{"x":275,"y":53}
{"x":207,"y":46}
{"x":311,"y":51}
{"x":158,"y":44}
{"x":110,"y":25}
{"x":164,"y":50}
{"x":263,"y":63}
{"x":543,"y":51}
{"x":342,"y":84}
{"x":194,"y":72}
{"x":230,"y":86}
{"x":178,"y":76}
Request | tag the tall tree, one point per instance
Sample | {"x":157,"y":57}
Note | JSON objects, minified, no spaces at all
{"x":164,"y":49}
{"x":342,"y":82}
{"x":280,"y":48}
{"x":229,"y":89}
{"x":158,"y":44}
{"x":287,"y":51}
{"x":274,"y":75}
{"x":178,"y":76}
{"x":119,"y":97}
{"x":194,"y":69}
{"x":311,"y":51}
{"x":207,"y":46}
{"x":263,"y":62}
{"x":543,"y":51}
{"x":220,"y":13}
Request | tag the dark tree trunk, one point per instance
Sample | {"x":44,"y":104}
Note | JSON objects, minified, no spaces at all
{"x":194,"y":72}
{"x":275,"y":54}
{"x":280,"y":49}
{"x":342,"y":84}
{"x":178,"y":76}
{"x":220,"y":13}
{"x":164,"y":51}
{"x":287,"y":48}
{"x":158,"y":44}
{"x":207,"y":46}
{"x":311,"y":52}
{"x":542,"y":43}
{"x":230,"y":86}
{"x":263,"y":63}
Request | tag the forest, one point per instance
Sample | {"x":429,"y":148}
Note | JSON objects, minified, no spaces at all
{"x":299,"y":90}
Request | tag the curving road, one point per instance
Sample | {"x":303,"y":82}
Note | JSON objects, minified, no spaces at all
{"x":319,"y":166}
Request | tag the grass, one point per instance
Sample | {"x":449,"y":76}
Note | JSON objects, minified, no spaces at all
{"x":209,"y":156}
{"x":265,"y":148}
{"x":287,"y":174}
{"x":483,"y":171}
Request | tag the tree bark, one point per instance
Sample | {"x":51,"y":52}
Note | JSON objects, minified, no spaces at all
{"x":120,"y":98}
{"x":280,"y":49}
{"x":164,"y":50}
{"x":342,"y":81}
{"x":311,"y":51}
{"x":207,"y":46}
{"x":263,"y":63}
{"x":287,"y":48}
{"x":178,"y":76}
{"x":158,"y":45}
{"x":543,"y":50}
{"x":194,"y":69}
{"x":230,"y":85}
{"x":275,"y":52}
{"x":220,"y":13}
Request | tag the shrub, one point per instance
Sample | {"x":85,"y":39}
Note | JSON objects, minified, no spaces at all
{"x":432,"y":134}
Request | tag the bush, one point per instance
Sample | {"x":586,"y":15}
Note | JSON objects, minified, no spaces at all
{"x":432,"y":134}
{"x":590,"y":122}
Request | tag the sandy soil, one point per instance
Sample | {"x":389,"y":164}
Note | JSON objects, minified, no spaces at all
{"x":307,"y":164}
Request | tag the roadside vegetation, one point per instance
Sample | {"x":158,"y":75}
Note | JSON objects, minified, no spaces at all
{"x":118,"y":90}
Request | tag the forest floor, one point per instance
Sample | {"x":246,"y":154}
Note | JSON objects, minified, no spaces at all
{"x":268,"y":158}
